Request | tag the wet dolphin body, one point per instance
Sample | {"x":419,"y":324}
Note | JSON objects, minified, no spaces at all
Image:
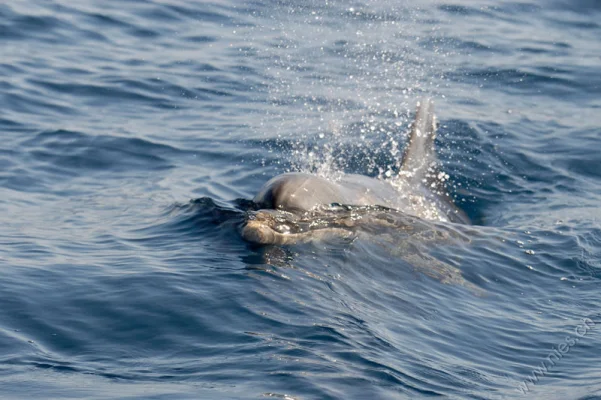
{"x":293,"y":194}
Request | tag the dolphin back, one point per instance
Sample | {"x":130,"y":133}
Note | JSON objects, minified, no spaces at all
{"x":427,"y":195}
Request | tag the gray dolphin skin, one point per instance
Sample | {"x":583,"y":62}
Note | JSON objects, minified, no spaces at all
{"x":418,"y":190}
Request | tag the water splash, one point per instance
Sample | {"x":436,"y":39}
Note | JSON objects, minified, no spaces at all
{"x":344,"y":82}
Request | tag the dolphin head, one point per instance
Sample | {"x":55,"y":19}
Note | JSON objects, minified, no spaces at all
{"x":298,"y":192}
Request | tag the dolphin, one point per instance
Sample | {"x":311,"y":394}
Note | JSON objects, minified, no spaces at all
{"x":312,"y":204}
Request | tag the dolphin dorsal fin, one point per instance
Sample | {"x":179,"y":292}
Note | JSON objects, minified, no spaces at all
{"x":420,"y":167}
{"x":419,"y":160}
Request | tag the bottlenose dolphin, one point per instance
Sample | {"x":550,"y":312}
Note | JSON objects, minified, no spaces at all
{"x":311,"y":204}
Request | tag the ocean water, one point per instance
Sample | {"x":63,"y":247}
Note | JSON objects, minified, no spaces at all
{"x":134,"y":134}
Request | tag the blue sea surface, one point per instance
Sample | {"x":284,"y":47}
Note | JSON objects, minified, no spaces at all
{"x":135,"y":133}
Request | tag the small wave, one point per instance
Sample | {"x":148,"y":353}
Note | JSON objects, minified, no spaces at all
{"x":75,"y":152}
